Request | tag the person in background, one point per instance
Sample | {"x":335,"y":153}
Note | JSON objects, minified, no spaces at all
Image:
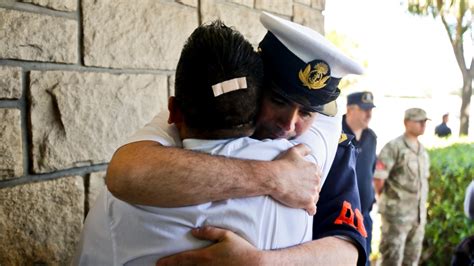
{"x":356,"y":122}
{"x":401,"y":179}
{"x":469,"y":201}
{"x":442,"y":130}
{"x":464,"y":251}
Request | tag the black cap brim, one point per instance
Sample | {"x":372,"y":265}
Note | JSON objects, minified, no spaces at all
{"x":328,"y":109}
{"x":366,"y":106}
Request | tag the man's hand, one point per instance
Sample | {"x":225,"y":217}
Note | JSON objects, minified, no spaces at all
{"x":229,"y":249}
{"x":297,"y":182}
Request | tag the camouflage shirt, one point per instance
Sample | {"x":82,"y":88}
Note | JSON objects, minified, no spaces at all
{"x":405,"y":170}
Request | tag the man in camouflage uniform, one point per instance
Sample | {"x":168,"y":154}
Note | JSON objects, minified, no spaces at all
{"x":401,"y":180}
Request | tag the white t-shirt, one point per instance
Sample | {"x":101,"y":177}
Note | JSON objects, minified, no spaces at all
{"x":117,"y":233}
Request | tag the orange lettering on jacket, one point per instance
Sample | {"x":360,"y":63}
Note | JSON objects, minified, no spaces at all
{"x":346,"y":216}
{"x":343,"y":218}
{"x":360,"y":223}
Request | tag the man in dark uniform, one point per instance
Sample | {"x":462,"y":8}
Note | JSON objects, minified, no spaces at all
{"x":442,"y":130}
{"x":338,"y":213}
{"x":356,"y":122}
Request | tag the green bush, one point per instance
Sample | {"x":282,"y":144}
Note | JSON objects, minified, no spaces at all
{"x":452,"y":169}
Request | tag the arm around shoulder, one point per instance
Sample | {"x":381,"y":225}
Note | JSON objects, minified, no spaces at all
{"x":231,"y":249}
{"x":148,"y":173}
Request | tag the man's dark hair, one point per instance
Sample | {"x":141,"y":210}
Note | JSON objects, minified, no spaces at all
{"x":212,"y":54}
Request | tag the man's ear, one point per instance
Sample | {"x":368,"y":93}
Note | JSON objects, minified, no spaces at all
{"x":175,"y":116}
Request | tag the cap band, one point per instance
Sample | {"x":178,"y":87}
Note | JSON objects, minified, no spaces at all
{"x":229,"y":85}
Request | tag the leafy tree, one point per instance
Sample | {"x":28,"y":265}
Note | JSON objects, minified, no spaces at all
{"x":457,"y":18}
{"x":451,"y":171}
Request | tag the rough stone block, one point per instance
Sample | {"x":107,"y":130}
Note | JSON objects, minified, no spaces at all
{"x":125,"y":34}
{"x":96,"y":184}
{"x":62,"y":5}
{"x":248,"y":3}
{"x":41,"y":222}
{"x":283,"y":7}
{"x":318,"y":4}
{"x":11,"y":153}
{"x":304,"y":2}
{"x":30,"y":36}
{"x":171,"y":80}
{"x":309,"y":17}
{"x":193,"y":3}
{"x":10,"y":82}
{"x":81,"y":118}
{"x":244,"y":19}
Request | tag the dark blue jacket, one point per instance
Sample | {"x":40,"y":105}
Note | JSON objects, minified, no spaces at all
{"x":365,"y":166}
{"x":338,"y":209}
{"x":442,"y":130}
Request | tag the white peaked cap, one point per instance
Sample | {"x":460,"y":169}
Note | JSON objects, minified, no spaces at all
{"x":308,"y":45}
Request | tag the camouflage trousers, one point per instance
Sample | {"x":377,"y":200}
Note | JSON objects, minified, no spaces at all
{"x":401,"y":243}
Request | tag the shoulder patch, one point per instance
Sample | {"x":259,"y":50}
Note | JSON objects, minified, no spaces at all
{"x":380,"y":165}
{"x":345,"y":139}
{"x":342,"y":138}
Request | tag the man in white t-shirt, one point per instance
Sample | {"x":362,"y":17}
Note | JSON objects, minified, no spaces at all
{"x":315,"y":84}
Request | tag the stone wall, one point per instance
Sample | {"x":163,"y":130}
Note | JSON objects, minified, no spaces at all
{"x":76,"y":78}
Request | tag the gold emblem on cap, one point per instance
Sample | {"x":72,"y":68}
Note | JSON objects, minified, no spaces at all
{"x":315,"y":79}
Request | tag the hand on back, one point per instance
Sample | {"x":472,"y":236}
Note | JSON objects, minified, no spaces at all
{"x":228,"y":249}
{"x":297,"y":181}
